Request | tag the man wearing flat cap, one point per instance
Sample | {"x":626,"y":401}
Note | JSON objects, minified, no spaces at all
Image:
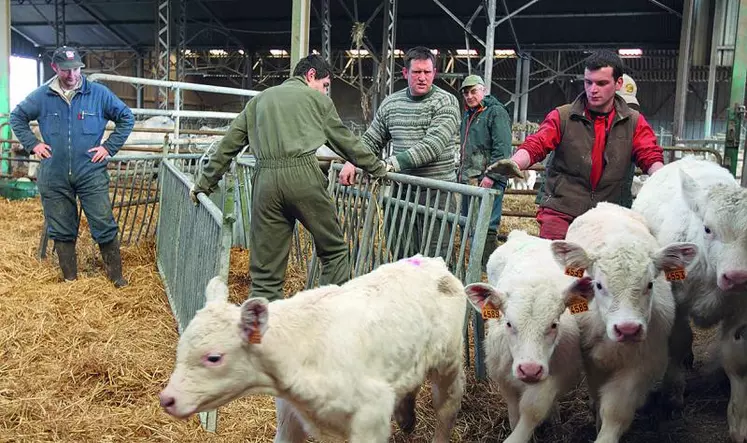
{"x":72,"y":114}
{"x":485,"y":138}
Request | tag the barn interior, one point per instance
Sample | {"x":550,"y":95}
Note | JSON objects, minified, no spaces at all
{"x":84,"y":362}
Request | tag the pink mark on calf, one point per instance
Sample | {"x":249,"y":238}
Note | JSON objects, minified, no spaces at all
{"x":414,"y":261}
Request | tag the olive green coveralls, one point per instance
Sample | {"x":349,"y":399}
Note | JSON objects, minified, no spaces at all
{"x":283,"y":126}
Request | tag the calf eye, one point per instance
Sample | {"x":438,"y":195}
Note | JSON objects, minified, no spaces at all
{"x":554,"y":326}
{"x":650,"y":285}
{"x":508,"y":324}
{"x":707,"y":230}
{"x":214,"y":358}
{"x":599,"y":286}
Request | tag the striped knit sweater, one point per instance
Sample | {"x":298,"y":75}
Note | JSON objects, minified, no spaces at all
{"x":424,"y":132}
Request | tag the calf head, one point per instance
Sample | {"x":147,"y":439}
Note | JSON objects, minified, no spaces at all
{"x":722,"y":211}
{"x":217,"y":358}
{"x":531,"y":320}
{"x":624,"y":284}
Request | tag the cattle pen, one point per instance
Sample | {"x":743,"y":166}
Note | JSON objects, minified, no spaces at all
{"x":84,"y":362}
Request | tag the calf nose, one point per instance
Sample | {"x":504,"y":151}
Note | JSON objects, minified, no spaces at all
{"x":529,"y":372}
{"x":166,"y":400}
{"x":734,"y":278}
{"x":628,"y":330}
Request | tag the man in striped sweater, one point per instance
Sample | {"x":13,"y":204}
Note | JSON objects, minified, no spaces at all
{"x":422,"y":124}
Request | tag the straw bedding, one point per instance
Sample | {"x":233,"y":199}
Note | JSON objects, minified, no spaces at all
{"x":84,"y":362}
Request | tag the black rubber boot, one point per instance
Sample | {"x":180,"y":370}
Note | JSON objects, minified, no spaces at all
{"x":490,"y":245}
{"x":113,"y":262}
{"x":68,"y":260}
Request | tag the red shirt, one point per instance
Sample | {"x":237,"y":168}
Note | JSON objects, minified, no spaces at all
{"x":646,"y":150}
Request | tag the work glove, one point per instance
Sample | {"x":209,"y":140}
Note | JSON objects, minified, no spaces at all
{"x":193,"y":196}
{"x":505,"y":167}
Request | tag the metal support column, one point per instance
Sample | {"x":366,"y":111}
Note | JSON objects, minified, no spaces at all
{"x":386,"y":79}
{"x":326,"y":32}
{"x":163,"y":45}
{"x":718,"y":26}
{"x":736,"y":111}
{"x":139,"y":67}
{"x":526,"y":66}
{"x":516,"y":98}
{"x":5,"y":82}
{"x":180,"y":62}
{"x":490,"y":46}
{"x":299,"y":31}
{"x":683,"y":70}
{"x":59,"y":23}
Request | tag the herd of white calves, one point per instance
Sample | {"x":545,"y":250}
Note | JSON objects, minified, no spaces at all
{"x":612,"y":302}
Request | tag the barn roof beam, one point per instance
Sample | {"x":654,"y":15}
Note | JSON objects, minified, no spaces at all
{"x":101,"y":21}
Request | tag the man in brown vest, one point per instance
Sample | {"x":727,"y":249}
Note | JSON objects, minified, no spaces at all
{"x":594,"y":141}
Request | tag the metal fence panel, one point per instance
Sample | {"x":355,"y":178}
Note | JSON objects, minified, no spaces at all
{"x":402,"y":215}
{"x":192,"y":246}
{"x":134,"y":193}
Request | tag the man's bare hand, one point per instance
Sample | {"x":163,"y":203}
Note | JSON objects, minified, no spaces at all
{"x":506,"y":167}
{"x":347,"y":175}
{"x":100,"y":154}
{"x":486,"y":182}
{"x":42,"y":150}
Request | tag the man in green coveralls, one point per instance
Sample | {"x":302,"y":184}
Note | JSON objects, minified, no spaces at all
{"x":284,"y":125}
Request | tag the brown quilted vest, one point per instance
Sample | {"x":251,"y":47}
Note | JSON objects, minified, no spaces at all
{"x":568,"y":181}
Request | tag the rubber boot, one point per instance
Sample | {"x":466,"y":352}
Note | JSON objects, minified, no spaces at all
{"x":68,"y":260}
{"x":113,"y":262}
{"x":490,"y":245}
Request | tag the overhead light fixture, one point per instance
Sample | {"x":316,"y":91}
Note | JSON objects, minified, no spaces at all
{"x":218,"y":53}
{"x":357,"y":53}
{"x":466,"y":52}
{"x":505,"y":53}
{"x":278,"y":52}
{"x":399,"y":53}
{"x":630,"y":53}
{"x":315,"y":52}
{"x":434,"y":51}
{"x":241,"y":51}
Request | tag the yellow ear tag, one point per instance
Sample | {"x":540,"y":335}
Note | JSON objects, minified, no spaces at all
{"x":675,"y":274}
{"x":575,"y":272}
{"x":490,"y":312}
{"x":578,"y":305}
{"x":255,"y":337}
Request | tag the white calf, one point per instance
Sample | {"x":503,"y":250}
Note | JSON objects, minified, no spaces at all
{"x":530,"y":178}
{"x":698,"y":201}
{"x":624,"y":335}
{"x":532,"y":351}
{"x":340,"y":360}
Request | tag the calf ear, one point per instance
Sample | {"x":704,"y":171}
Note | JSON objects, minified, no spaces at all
{"x":216,"y":290}
{"x":694,"y":194}
{"x":253,"y":325}
{"x":570,"y":255}
{"x":675,"y":255}
{"x":481,"y":293}
{"x":582,"y":287}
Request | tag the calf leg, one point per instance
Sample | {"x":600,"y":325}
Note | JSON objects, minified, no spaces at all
{"x":447,"y":390}
{"x":617,"y":405}
{"x":371,"y":421}
{"x":511,"y":398}
{"x":737,"y":411}
{"x":405,"y":412}
{"x":290,"y":427}
{"x":680,"y":345}
{"x":535,"y":405}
